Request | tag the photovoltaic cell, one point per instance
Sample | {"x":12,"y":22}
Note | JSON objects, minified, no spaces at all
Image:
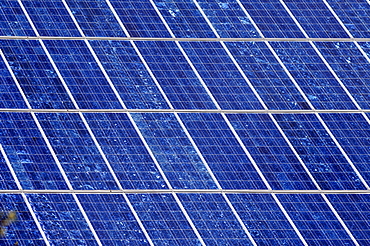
{"x":112,"y":219}
{"x":314,"y":219}
{"x":220,"y":149}
{"x":265,"y":221}
{"x":140,"y":18}
{"x":271,"y":152}
{"x":76,"y":151}
{"x":353,"y":133}
{"x":13,"y":22}
{"x":129,"y":75}
{"x":61,"y":219}
{"x":163,"y":219}
{"x":24,"y":230}
{"x":319,"y":152}
{"x":173,"y":151}
{"x":312,"y":75}
{"x":35,"y":74}
{"x":95,"y":18}
{"x":355,"y":15}
{"x":354,"y":209}
{"x":6,"y":180}
{"x":351,"y":67}
{"x":28,"y":154}
{"x":221,"y":76}
{"x":10,"y":96}
{"x":214,"y":219}
{"x":82,"y":74}
{"x":175,"y":75}
{"x":228,"y":19}
{"x":267,"y":76}
{"x":51,"y":18}
{"x":184,"y":19}
{"x":316,"y":19}
{"x":125,"y":151}
{"x":272,"y":19}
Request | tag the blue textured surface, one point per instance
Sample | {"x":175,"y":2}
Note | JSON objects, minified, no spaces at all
{"x":140,"y":18}
{"x":24,"y":231}
{"x":319,"y":152}
{"x":316,"y":19}
{"x":228,"y":19}
{"x":129,"y":75}
{"x":184,"y":19}
{"x":355,"y":15}
{"x":175,"y":75}
{"x":51,"y":18}
{"x":220,"y":149}
{"x":76,"y":151}
{"x":221,"y":76}
{"x":271,"y":152}
{"x":125,"y":151}
{"x":163,"y":219}
{"x":28,"y":153}
{"x":272,"y":19}
{"x":267,"y":76}
{"x":95,"y":18}
{"x":61,"y":219}
{"x":314,"y":219}
{"x":264,"y":219}
{"x":35,"y":74}
{"x":174,"y":152}
{"x":214,"y":219}
{"x":312,"y":75}
{"x":13,"y":22}
{"x":112,"y":219}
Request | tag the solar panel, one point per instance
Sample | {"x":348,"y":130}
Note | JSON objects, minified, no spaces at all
{"x":184,"y":122}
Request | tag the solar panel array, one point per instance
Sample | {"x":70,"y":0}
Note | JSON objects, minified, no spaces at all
{"x":185,"y":122}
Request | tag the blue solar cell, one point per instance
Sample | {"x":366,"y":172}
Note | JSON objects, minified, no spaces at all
{"x":28,"y":154}
{"x":173,"y":151}
{"x":10,"y":96}
{"x":82,"y":74}
{"x":314,"y":219}
{"x":271,"y":152}
{"x":221,"y":76}
{"x":354,"y":209}
{"x":6,"y":179}
{"x":272,"y":19}
{"x":95,"y":18}
{"x":267,"y":76}
{"x":316,"y":19}
{"x":214,"y":219}
{"x":125,"y":151}
{"x":353,"y":133}
{"x":222,"y":152}
{"x":51,"y":18}
{"x":112,"y":219}
{"x":265,"y":221}
{"x":319,"y":152}
{"x":35,"y":74}
{"x":24,"y":229}
{"x":351,"y":67}
{"x":76,"y":151}
{"x":228,"y":19}
{"x":175,"y":75}
{"x":312,"y":75}
{"x":61,"y":219}
{"x":140,"y":18}
{"x":13,"y":22}
{"x":163,"y":219}
{"x":129,"y":75}
{"x":184,"y":19}
{"x":355,"y":15}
